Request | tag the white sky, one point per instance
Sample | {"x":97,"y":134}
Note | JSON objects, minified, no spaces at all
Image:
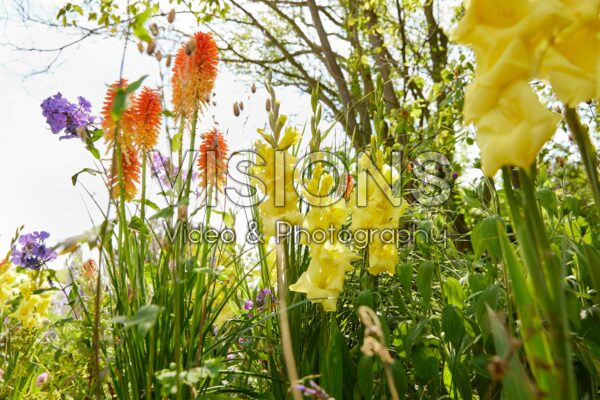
{"x":36,"y":168}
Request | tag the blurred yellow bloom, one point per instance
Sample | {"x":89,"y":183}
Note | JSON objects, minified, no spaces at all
{"x":515,"y":41}
{"x":572,"y":63}
{"x":7,"y":289}
{"x":323,"y":281}
{"x":514,"y":132}
{"x":492,"y":22}
{"x":33,"y":309}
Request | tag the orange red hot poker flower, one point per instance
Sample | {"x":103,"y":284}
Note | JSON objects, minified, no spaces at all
{"x":127,"y":124}
{"x":130,"y":168}
{"x":146,"y":115}
{"x":212,"y":160}
{"x":194,"y":74}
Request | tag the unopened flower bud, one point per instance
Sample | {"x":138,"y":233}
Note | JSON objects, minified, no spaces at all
{"x":268,"y":105}
{"x":151,"y":47}
{"x":171,"y":16}
{"x":236,"y":109}
{"x":158,"y":55}
{"x":41,"y":379}
{"x":253,"y":88}
{"x":241,"y":105}
{"x":140,"y":46}
{"x":154,"y":29}
{"x":168,"y":63}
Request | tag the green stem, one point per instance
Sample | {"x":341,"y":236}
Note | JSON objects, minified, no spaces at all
{"x":587,"y":150}
{"x":547,"y":276}
{"x":558,"y":315}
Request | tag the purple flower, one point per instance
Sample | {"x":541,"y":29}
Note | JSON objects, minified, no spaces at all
{"x":41,"y":379}
{"x":248,"y":305}
{"x":262,"y":296}
{"x":71,"y":118}
{"x":33,"y":252}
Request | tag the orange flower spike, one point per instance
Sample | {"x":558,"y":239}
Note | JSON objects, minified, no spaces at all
{"x":194,"y":74}
{"x":212,"y":160}
{"x":127,"y":122}
{"x":147,"y":111}
{"x":130,"y":168}
{"x":89,"y":268}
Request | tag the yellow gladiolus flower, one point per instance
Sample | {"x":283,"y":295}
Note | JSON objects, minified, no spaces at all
{"x":323,"y":280}
{"x":326,"y":211}
{"x":379,"y":213}
{"x":383,"y":257}
{"x":514,"y":132}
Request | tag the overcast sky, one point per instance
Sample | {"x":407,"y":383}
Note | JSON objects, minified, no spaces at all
{"x":36,"y":168}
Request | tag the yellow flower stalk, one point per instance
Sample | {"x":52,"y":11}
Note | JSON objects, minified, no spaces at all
{"x":275,"y":170}
{"x":323,"y":281}
{"x":379,"y":214}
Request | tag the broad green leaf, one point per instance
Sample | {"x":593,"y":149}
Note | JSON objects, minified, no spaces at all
{"x":454,"y":292}
{"x":547,"y":199}
{"x":424,"y":281}
{"x":365,"y":298}
{"x":119,"y":104}
{"x":453,"y":326}
{"x":132,"y":87}
{"x":405,"y":272}
{"x":165,"y":213}
{"x":365,"y":376}
{"x":485,"y":237}
{"x":138,"y":25}
{"x":143,"y":320}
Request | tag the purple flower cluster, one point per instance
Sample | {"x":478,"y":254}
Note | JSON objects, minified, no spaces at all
{"x":71,"y":118}
{"x":260,"y":304}
{"x":163,"y":169}
{"x":33,"y":252}
{"x":314,"y":391}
